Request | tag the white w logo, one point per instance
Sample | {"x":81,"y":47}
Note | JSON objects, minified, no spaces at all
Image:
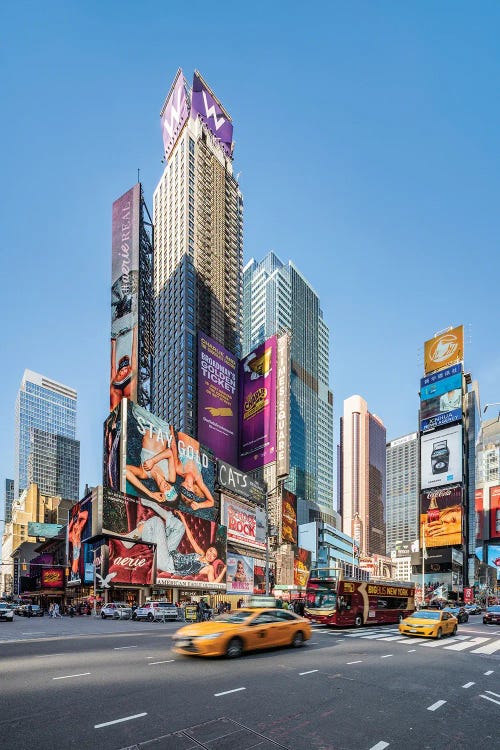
{"x":210,"y":112}
{"x":175,"y":115}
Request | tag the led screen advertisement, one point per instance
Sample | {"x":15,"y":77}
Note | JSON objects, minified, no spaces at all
{"x":289,"y":517}
{"x":441,"y":457}
{"x":175,"y":113}
{"x":441,"y":398}
{"x":257,"y":396}
{"x":239,"y":574}
{"x":441,"y":516}
{"x":241,"y":522}
{"x":205,"y":105}
{"x":129,"y":562}
{"x":494,"y":557}
{"x":52,"y":578}
{"x":444,"y":350}
{"x":230,"y":478}
{"x":494,"y":512}
{"x":79,"y":528}
{"x":217,"y":399}
{"x":301,"y":566}
{"x":125,"y":296}
{"x":479,"y":507}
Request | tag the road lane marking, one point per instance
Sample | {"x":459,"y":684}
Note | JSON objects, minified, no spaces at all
{"x":387,"y":656}
{"x":47,"y":656}
{"x":119,"y":721}
{"x":391,"y":638}
{"x":490,"y":671}
{"x":487,"y":698}
{"x":167,"y":661}
{"x":82,"y":674}
{"x":380,"y":745}
{"x":35,"y":632}
{"x":412,"y":650}
{"x":490,"y":692}
{"x":121,"y":648}
{"x":490,"y":648}
{"x":466,"y":644}
{"x":313,"y":643}
{"x":436,"y":705}
{"x":301,"y":674}
{"x":226,"y":692}
{"x":468,"y":684}
{"x":355,"y":662}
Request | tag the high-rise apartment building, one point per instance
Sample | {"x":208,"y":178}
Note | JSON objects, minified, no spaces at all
{"x":403,"y":491}
{"x":276,"y":298}
{"x":46,"y":411}
{"x":198,"y":246}
{"x":9,"y":499}
{"x":362,"y":490}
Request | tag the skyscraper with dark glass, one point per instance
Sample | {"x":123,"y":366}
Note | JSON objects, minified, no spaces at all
{"x":46,"y":449}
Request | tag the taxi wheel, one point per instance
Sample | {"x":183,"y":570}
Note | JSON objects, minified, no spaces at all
{"x":439,"y":634}
{"x":234,"y":648}
{"x":298,"y":639}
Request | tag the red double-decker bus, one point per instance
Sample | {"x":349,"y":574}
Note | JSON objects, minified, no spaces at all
{"x":345,"y":596}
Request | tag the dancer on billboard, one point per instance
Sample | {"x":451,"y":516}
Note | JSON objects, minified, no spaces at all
{"x":75,"y":528}
{"x":188,"y":465}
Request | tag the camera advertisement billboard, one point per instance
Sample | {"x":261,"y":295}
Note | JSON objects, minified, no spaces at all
{"x":241,"y":522}
{"x":441,"y":458}
{"x":217,"y":399}
{"x":494,"y":512}
{"x":441,"y":398}
{"x":257,"y":410}
{"x":289,"y":517}
{"x":239,"y":574}
{"x":444,"y":350}
{"x":125,"y":296}
{"x":174,"y":113}
{"x":441,"y":516}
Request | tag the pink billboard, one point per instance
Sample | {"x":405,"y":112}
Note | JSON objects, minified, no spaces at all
{"x":257,"y":379}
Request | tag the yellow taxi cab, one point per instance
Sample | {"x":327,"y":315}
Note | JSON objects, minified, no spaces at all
{"x":242,"y":630}
{"x":429,"y":623}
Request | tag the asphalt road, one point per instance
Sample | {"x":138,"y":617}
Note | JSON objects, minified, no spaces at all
{"x":87,"y":683}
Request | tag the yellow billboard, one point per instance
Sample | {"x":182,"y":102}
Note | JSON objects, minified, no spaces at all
{"x":444,"y":350}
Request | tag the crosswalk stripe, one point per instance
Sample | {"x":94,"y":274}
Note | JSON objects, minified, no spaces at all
{"x":489,"y":649}
{"x":466,"y":644}
{"x":390,"y":638}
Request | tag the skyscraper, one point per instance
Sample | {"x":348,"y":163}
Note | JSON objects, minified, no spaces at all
{"x":46,"y":411}
{"x":198,"y":246}
{"x":9,"y":499}
{"x":403,"y":491}
{"x":276,"y":298}
{"x":362,"y":496}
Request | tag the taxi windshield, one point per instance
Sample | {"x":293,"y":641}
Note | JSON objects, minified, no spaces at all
{"x":238,"y":615}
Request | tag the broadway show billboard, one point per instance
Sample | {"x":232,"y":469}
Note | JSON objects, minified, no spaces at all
{"x":289,"y":517}
{"x":217,"y":399}
{"x":441,"y":458}
{"x":444,"y":350}
{"x":174,"y":113}
{"x":494,"y":512}
{"x":241,"y":522}
{"x":301,"y":566}
{"x":52,"y":578}
{"x":257,"y":397}
{"x":441,"y":398}
{"x":79,"y":528}
{"x":441,"y":517}
{"x":205,"y":104}
{"x":239,"y":574}
{"x":125,"y":296}
{"x":230,"y":478}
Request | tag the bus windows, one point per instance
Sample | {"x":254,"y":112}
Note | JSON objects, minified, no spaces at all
{"x":392,"y":602}
{"x":345,"y":603}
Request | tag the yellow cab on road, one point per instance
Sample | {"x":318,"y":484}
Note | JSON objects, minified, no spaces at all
{"x":242,"y":630}
{"x":429,"y":623}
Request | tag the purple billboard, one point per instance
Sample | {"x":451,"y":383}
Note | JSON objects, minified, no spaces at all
{"x":205,"y":104}
{"x":258,"y":406}
{"x":217,"y":398}
{"x":175,"y":113}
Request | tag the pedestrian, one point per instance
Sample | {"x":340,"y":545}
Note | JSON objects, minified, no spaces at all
{"x":30,"y":610}
{"x":51,"y":610}
{"x":56,"y":610}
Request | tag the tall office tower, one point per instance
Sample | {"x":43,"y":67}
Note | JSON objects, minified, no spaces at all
{"x":54,"y":464}
{"x":403,"y":491}
{"x":276,"y":297}
{"x":362,"y":443}
{"x":9,"y":499}
{"x":198,"y":246}
{"x":45,"y":405}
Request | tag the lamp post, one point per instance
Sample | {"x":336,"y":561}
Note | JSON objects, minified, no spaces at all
{"x":268,"y":493}
{"x":424,"y":558}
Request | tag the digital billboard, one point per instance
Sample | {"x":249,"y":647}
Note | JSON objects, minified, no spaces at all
{"x":205,"y":104}
{"x":78,"y":529}
{"x":441,"y":398}
{"x":217,"y":399}
{"x":494,"y":557}
{"x":441,"y":516}
{"x":241,"y":522}
{"x":444,"y":349}
{"x":112,"y":443}
{"x":174,"y":113}
{"x":301,"y":566}
{"x":289,"y":517}
{"x":46,"y":530}
{"x":283,"y":406}
{"x":494,"y":512}
{"x":441,"y":457}
{"x":52,"y":578}
{"x":239,"y":574}
{"x":230,"y":478}
{"x":479,"y":506}
{"x":130,"y":562}
{"x":259,"y":577}
{"x":257,"y":397}
{"x":125,"y":296}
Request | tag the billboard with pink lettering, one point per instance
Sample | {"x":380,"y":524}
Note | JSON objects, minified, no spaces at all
{"x":239,"y":574}
{"x":174,"y":113}
{"x":205,"y":104}
{"x":257,"y":411}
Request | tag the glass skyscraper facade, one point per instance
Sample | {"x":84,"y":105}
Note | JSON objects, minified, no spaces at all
{"x":403,"y":490}
{"x":9,"y":499}
{"x":46,"y":410}
{"x":277,"y":298}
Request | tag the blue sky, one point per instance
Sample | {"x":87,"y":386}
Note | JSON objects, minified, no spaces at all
{"x":368,"y":151}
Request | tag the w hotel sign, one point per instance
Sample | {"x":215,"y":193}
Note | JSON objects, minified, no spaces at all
{"x":444,"y":350}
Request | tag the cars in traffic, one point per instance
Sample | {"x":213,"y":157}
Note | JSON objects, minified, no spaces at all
{"x":159,"y":611}
{"x":473,"y":609}
{"x":116,"y":611}
{"x":6,"y":612}
{"x":459,"y":612}
{"x":492,"y":615}
{"x":429,"y":623}
{"x":30,"y":610}
{"x":242,"y":630}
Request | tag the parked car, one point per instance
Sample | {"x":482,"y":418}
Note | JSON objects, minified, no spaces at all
{"x":6,"y":612}
{"x":156,"y":611}
{"x":116,"y":611}
{"x":492,"y":615}
{"x":459,"y":612}
{"x":429,"y":623}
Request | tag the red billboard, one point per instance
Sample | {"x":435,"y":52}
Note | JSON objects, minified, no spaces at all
{"x":52,"y":578}
{"x":130,"y":563}
{"x":479,"y":506}
{"x":494,"y":512}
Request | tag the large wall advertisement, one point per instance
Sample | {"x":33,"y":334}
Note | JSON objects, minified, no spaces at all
{"x":125,"y":296}
{"x":494,"y":512}
{"x":79,"y":528}
{"x":479,"y":506}
{"x":241,"y":522}
{"x":301,"y":566}
{"x":174,"y":113}
{"x":239,"y":574}
{"x":230,"y":478}
{"x":217,"y":399}
{"x":283,"y":406}
{"x":441,"y":398}
{"x":441,"y":458}
{"x":205,"y":104}
{"x":289,"y":517}
{"x":444,"y":350}
{"x":257,"y":427}
{"x":494,"y":557}
{"x":441,"y":516}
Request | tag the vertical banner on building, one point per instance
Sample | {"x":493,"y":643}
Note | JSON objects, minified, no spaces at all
{"x":283,"y":407}
{"x":301,"y":566}
{"x":217,"y":399}
{"x":257,"y":378}
{"x":444,"y":350}
{"x":79,"y":528}
{"x":495,"y":512}
{"x":289,"y":517}
{"x":174,"y":113}
{"x":125,"y":296}
{"x":479,"y":505}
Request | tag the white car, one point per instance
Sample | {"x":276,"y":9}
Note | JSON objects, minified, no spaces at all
{"x":117,"y":611}
{"x":159,"y":611}
{"x":6,"y":612}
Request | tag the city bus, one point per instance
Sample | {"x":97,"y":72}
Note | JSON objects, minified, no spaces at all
{"x":346,"y":596}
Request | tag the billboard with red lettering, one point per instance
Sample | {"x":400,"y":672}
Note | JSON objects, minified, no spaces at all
{"x":241,"y":522}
